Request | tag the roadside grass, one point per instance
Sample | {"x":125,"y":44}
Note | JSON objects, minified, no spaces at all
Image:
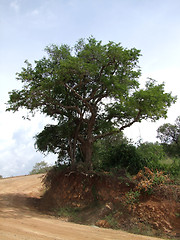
{"x":113,"y":223}
{"x":71,"y":213}
{"x":144,"y":230}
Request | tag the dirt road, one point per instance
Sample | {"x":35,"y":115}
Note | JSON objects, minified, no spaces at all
{"x":18,"y":221}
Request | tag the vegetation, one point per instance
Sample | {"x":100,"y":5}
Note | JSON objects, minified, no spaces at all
{"x":151,"y":154}
{"x":143,"y":202}
{"x":122,"y":156}
{"x":113,"y":223}
{"x":146,"y":180}
{"x":138,"y":207}
{"x":131,"y":197}
{"x":1,"y":176}
{"x":169,"y":135}
{"x":71,"y":213}
{"x":41,"y":167}
{"x":92,"y":91}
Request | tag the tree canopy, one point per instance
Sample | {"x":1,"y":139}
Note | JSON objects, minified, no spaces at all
{"x":169,"y":135}
{"x":40,"y":167}
{"x":92,"y":90}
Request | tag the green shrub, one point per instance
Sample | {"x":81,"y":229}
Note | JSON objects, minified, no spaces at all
{"x":123,"y":156}
{"x":103,"y":150}
{"x":173,"y":169}
{"x":152,"y":153}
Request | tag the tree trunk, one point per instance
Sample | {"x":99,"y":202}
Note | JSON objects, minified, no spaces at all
{"x":88,"y":140}
{"x":87,"y":151}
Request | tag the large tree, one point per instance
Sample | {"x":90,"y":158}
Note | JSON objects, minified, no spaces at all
{"x":92,"y":91}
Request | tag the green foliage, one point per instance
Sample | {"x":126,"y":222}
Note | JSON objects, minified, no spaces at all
{"x":92,"y":91}
{"x":1,"y":176}
{"x":154,"y":156}
{"x":113,"y":223}
{"x":132,"y":197}
{"x":102,"y":150}
{"x":124,"y":156}
{"x":71,"y":213}
{"x":41,"y":167}
{"x":169,"y":135}
{"x":118,"y":153}
{"x":172,"y":150}
{"x":54,"y":139}
{"x":172,"y":168}
{"x":151,"y":153}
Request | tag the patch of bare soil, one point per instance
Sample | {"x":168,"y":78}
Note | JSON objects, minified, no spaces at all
{"x":20,"y":219}
{"x":101,"y":200}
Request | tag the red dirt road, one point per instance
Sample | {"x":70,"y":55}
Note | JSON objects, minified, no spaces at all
{"x":18,"y":221}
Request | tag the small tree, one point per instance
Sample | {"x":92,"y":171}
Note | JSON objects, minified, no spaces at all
{"x":40,"y":167}
{"x":169,"y":134}
{"x":92,"y":90}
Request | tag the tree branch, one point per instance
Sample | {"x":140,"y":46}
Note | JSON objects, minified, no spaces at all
{"x":120,"y":129}
{"x":80,"y":97}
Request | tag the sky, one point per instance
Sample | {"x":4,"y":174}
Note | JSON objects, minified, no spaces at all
{"x":28,"y":26}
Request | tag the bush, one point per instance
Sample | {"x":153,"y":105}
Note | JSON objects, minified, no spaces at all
{"x":103,"y":148}
{"x":152,"y":154}
{"x":122,"y":156}
{"x":173,"y":169}
{"x":172,"y":150}
{"x":147,"y":179}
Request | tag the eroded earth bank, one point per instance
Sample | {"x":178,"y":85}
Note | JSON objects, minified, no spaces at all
{"x":21,"y":220}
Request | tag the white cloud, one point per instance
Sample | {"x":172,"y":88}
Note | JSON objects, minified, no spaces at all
{"x":17,"y":152}
{"x":15,"y":5}
{"x":147,"y":131}
{"x":35,"y":12}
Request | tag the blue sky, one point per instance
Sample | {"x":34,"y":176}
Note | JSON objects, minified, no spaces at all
{"x":28,"y":26}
